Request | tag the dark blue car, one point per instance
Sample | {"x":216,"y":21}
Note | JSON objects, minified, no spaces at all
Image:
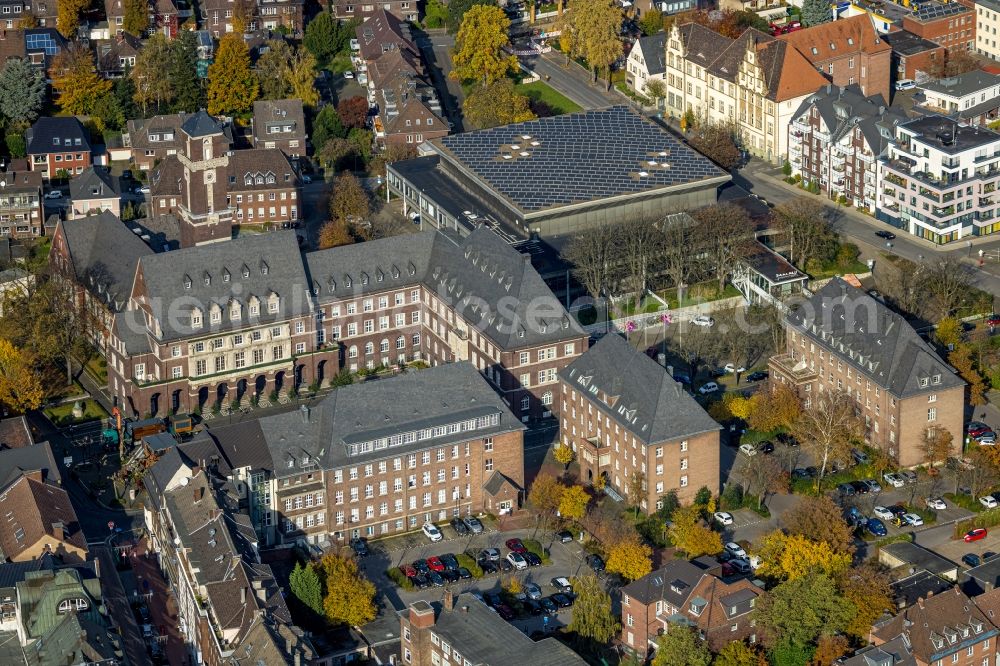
{"x":876,"y":527}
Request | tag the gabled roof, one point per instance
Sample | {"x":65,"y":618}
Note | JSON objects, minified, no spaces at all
{"x":37,"y":457}
{"x":94,"y":183}
{"x":876,"y":340}
{"x":934,"y":626}
{"x":382,"y":32}
{"x":33,"y":510}
{"x":702,"y":44}
{"x":842,"y":109}
{"x":57,"y":135}
{"x":674,"y":582}
{"x":636,"y":391}
{"x":41,"y":592}
{"x":654,"y":52}
{"x":15,"y":433}
{"x":837,"y":39}
{"x":278,"y":112}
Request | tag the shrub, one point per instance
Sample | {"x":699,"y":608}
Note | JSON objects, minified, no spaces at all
{"x":272,"y":397}
{"x":988,"y":518}
{"x":399,"y":578}
{"x":469,"y":562}
{"x":965,"y":501}
{"x":535,"y":547}
{"x":886,"y":540}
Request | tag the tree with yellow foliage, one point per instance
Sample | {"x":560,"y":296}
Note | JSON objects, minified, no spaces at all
{"x":563,"y":454}
{"x":20,"y":387}
{"x":573,"y":503}
{"x":350,"y":597}
{"x":774,"y":406}
{"x":690,"y":534}
{"x":867,"y":587}
{"x":630,"y":558}
{"x":739,"y":405}
{"x":791,"y":556}
{"x":68,"y":16}
{"x":76,"y":79}
{"x":479,"y":53}
{"x":232,"y":86}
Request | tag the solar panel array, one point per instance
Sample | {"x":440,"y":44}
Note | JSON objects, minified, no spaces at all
{"x":578,"y":157}
{"x":928,"y":11}
{"x":41,"y":42}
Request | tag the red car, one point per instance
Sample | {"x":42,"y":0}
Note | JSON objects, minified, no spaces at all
{"x":408,"y":571}
{"x":993,"y":321}
{"x":505,"y":611}
{"x":516,"y":546}
{"x":975,"y":430}
{"x":435,"y":564}
{"x":975,"y":535}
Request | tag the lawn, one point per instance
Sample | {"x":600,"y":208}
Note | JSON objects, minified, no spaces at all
{"x":539,"y":91}
{"x":62,"y":415}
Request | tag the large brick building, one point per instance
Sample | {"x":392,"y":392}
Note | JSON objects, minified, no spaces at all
{"x":217,"y":16}
{"x":626,"y":417}
{"x":913,"y":57}
{"x":280,"y":123}
{"x":844,"y":340}
{"x":848,"y":52}
{"x":952,"y":24}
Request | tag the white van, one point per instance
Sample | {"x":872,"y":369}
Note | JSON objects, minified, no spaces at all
{"x":905,"y":84}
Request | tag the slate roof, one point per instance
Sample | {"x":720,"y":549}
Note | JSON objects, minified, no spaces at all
{"x":382,"y":32}
{"x":257,"y":265}
{"x":94,"y":183}
{"x":575,"y":158}
{"x":445,"y":394}
{"x":837,"y":39}
{"x":104,"y":254}
{"x":33,"y":508}
{"x":67,"y":130}
{"x":278,"y":112}
{"x":962,"y":85}
{"x":242,"y":444}
{"x":201,"y":124}
{"x":13,"y":462}
{"x":654,"y":52}
{"x":21,"y":181}
{"x":264,"y":162}
{"x":876,"y":340}
{"x":673,"y":582}
{"x":485,"y":638}
{"x":12,"y":573}
{"x":129,"y":327}
{"x":843,"y":109}
{"x":496,"y":483}
{"x":15,"y":433}
{"x":922,"y":583}
{"x":703,"y":45}
{"x":891,"y":653}
{"x":636,"y":392}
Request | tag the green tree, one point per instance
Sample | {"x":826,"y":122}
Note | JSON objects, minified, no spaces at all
{"x":307,"y":587}
{"x":435,"y":14}
{"x":272,"y":70}
{"x":327,"y":126}
{"x":457,"y":10}
{"x":322,"y":38}
{"x":564,"y":454}
{"x":801,"y":609}
{"x":478,"y":54}
{"x":151,"y":74}
{"x":681,"y":646}
{"x":592,"y":616}
{"x":669,"y":504}
{"x":77,"y":80}
{"x":301,"y":78}
{"x":232,"y":87}
{"x":816,"y":12}
{"x":350,"y":597}
{"x":136,"y":17}
{"x":107,"y":114}
{"x":594,"y":25}
{"x":630,"y":558}
{"x":124,"y":92}
{"x":182,"y":70}
{"x":949,"y":332}
{"x":15,"y":144}
{"x":789,"y":653}
{"x":651,"y":22}
{"x":496,"y":104}
{"x":22,"y":91}
{"x":738,"y":653}
{"x":867,"y":587}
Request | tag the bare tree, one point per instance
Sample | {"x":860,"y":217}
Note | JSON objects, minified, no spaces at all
{"x":947,"y":280}
{"x":725,"y":233}
{"x":810,"y":234}
{"x":902,"y":282}
{"x":678,"y":260}
{"x":764,"y":474}
{"x":827,"y":427}
{"x":936,"y":444}
{"x":592,"y":254}
{"x":640,"y":244}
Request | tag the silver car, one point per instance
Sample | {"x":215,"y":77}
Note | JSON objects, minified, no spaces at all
{"x":533,"y":591}
{"x":473,"y":524}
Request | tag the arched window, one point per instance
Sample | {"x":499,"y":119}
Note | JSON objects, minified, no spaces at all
{"x":369,"y":348}
{"x":525,"y":403}
{"x":352,"y":352}
{"x":216,"y":314}
{"x":384,"y":345}
{"x":547,"y":398}
{"x":400,"y":342}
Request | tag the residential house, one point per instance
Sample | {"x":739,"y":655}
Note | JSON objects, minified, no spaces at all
{"x":844,"y":340}
{"x":280,"y":124}
{"x":404,"y":10}
{"x":895,"y":652}
{"x":646,"y":62}
{"x":94,"y":191}
{"x":987,"y":22}
{"x":913,"y":57}
{"x":57,"y":145}
{"x":42,"y":521}
{"x":409,"y":111}
{"x":263,"y":15}
{"x":973,"y":96}
{"x":661,"y":436}
{"x":49,"y":597}
{"x":12,"y":12}
{"x":835,"y":140}
{"x":848,"y":52}
{"x":766,"y":277}
{"x":466,"y":629}
{"x":14,"y":430}
{"x":382,"y":33}
{"x":950,"y":24}
{"x":755,"y":81}
{"x":42,"y":45}
{"x":154,"y":139}
{"x":938,"y":180}
{"x":944,"y":628}
{"x":21,"y":210}
{"x":45,"y":11}
{"x":117,"y":55}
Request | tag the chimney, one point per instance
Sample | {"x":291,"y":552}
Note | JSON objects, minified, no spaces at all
{"x":199,"y":492}
{"x":421,"y":615}
{"x":243,"y":596}
{"x":57,"y":531}
{"x":449,"y":600}
{"x":195,"y":471}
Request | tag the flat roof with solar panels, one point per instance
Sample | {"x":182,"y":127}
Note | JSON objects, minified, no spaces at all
{"x":533,"y":172}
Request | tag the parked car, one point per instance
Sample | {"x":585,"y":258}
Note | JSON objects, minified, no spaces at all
{"x":473,"y":524}
{"x":909,"y":475}
{"x":435,"y":564}
{"x":562,"y":600}
{"x":971,"y":559}
{"x":459,"y":527}
{"x":886,"y":235}
{"x":407,"y":570}
{"x":975,"y":535}
{"x":860,"y":457}
{"x":876,"y":527}
{"x":988,"y":502}
{"x":765,"y":447}
{"x":786,"y":439}
{"x":505,"y":566}
{"x":565,"y":536}
{"x":532,"y":559}
{"x":517,"y":560}
{"x":420,"y":581}
{"x":873,"y":485}
{"x":936,"y":503}
{"x":493,"y":599}
{"x":736,"y":549}
{"x":894,"y":480}
{"x":883,"y":513}
{"x":431,"y":531}
{"x":988,"y":555}
{"x":516,"y":546}
{"x":740,"y":565}
{"x":723,"y":517}
{"x":897,"y":510}
{"x":421,"y":566}
{"x":449,"y":561}
{"x":748,"y":449}
{"x":987,"y":438}
{"x":682,"y":379}
{"x":757,"y":376}
{"x":533,"y":607}
{"x":464,"y":573}
{"x":846,"y":490}
{"x":450,"y":575}
{"x":562,"y":584}
{"x":708,"y":387}
{"x":595,"y":562}
{"x":53,"y":194}
{"x":854,"y":517}
{"x":492,"y":554}
{"x":912,"y":519}
{"x":905,"y":84}
{"x":993,"y":320}
{"x":360,"y":546}
{"x":348,"y":74}
{"x":436,"y":579}
{"x":504,"y":611}
{"x":860,"y":487}
{"x":549,"y":606}
{"x":703,"y":320}
{"x":487,"y":567}
{"x":976,"y":428}
{"x":731,"y":368}
{"x":533,"y":591}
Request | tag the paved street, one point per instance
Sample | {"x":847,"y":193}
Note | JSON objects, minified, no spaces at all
{"x":117,"y":603}
{"x":572,"y":80}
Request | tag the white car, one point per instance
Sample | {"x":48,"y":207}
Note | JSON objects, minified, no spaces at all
{"x":748,"y":449}
{"x":736,"y":549}
{"x":894,"y":480}
{"x":348,"y":74}
{"x":54,"y":194}
{"x":431,"y":531}
{"x":355,"y":45}
{"x":912,"y":519}
{"x":710,"y":387}
{"x":988,"y":502}
{"x":905,"y":84}
{"x":723,"y":517}
{"x":517,"y":560}
{"x":730,"y":368}
{"x":703,"y":320}
{"x":883,"y":513}
{"x":936,"y":503}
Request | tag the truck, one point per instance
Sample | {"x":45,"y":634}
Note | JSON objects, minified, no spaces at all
{"x":136,"y":430}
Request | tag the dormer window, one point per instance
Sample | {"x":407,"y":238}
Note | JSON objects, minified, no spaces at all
{"x":923,"y":382}
{"x":235,"y":311}
{"x":260,"y":180}
{"x":291,"y":463}
{"x":273,"y":303}
{"x":263,"y":268}
{"x":225,"y":275}
{"x":68,"y":605}
{"x":270,"y":180}
{"x":208,"y":279}
{"x":196,"y":318}
{"x":246,"y":271}
{"x":55,"y":141}
{"x":187,"y":282}
{"x":248,"y":181}
{"x":254,"y":306}
{"x":936,"y":379}
{"x":216,"y":314}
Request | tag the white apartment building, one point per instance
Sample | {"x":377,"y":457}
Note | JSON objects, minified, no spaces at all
{"x":987,"y":23}
{"x":974,"y":96}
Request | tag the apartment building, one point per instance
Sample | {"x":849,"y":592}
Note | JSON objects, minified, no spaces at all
{"x":754,"y":81}
{"x":848,"y":52}
{"x":627,"y":419}
{"x":260,"y":15}
{"x":464,"y":630}
{"x":987,"y":22}
{"x":688,"y":593}
{"x":94,"y":191}
{"x":409,"y":111}
{"x":21,"y":211}
{"x":383,"y":457}
{"x":938,"y":180}
{"x":280,"y":124}
{"x":646,"y":62}
{"x":842,"y":339}
{"x":41,"y":521}
{"x":951,"y":24}
{"x":943,"y":628}
{"x":404,"y":10}
{"x":57,"y":145}
{"x":974,"y":97}
{"x":913,"y":57}
{"x":836,"y":138}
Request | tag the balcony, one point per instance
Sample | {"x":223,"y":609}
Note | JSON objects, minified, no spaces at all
{"x":947,"y":211}
{"x":894,"y":179}
{"x":795,"y":370}
{"x":930,"y":194}
{"x":985,"y":158}
{"x":379,"y":128}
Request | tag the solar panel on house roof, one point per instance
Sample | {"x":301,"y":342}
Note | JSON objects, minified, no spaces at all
{"x":578,"y":157}
{"x":934,"y":10}
{"x":41,"y":42}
